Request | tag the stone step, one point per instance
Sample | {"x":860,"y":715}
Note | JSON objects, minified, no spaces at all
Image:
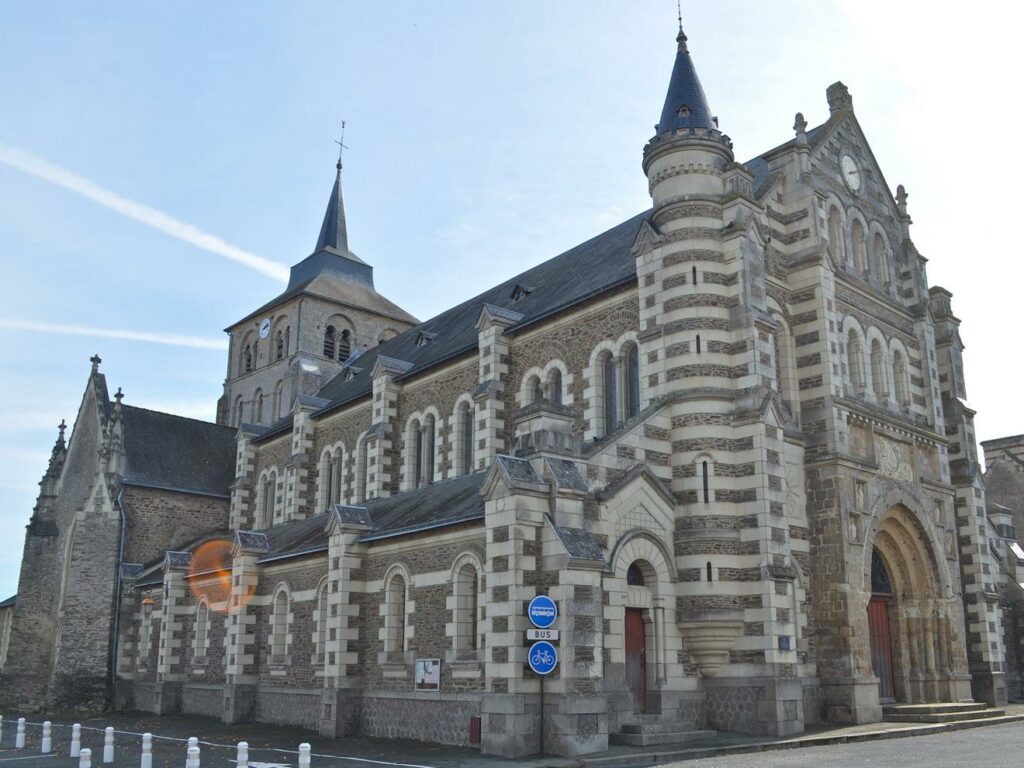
{"x":946,"y":717}
{"x":656,"y":727}
{"x":648,"y":739}
{"x":934,"y":709}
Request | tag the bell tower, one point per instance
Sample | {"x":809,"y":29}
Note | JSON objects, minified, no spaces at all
{"x":329,"y":314}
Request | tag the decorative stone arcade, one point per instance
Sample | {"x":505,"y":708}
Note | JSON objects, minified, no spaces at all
{"x":912,"y":617}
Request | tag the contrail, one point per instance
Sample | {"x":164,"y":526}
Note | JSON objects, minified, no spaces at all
{"x":62,"y":177}
{"x":170,"y":339}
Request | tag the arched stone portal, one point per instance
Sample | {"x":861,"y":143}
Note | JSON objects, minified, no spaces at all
{"x":913,"y":619}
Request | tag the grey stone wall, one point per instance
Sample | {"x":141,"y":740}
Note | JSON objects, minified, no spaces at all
{"x":442,"y":719}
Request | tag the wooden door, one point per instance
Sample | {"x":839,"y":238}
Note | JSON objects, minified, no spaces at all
{"x":881,"y":647}
{"x":636,"y":658}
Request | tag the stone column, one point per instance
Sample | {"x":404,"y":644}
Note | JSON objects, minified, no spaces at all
{"x":240,"y":671}
{"x":167,"y":693}
{"x":340,"y":701}
{"x":489,"y":396}
{"x":383,"y":468}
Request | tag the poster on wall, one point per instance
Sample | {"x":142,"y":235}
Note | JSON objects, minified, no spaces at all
{"x":428,"y":674}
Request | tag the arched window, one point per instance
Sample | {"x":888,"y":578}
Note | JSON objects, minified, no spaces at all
{"x":256,"y":354}
{"x":467,"y":602}
{"x":202,"y":620}
{"x":708,"y":568}
{"x":835,"y":235}
{"x":555,"y":386}
{"x":635,"y":575}
{"x":878,"y":378}
{"x":465,"y":448}
{"x":899,"y":377}
{"x":609,"y":387}
{"x":394,"y":629}
{"x":631,"y":362}
{"x":855,"y":358}
{"x":146,"y":632}
{"x":362,"y":462}
{"x":881,"y":259}
{"x":698,"y":344}
{"x":329,"y":344}
{"x":258,"y":406}
{"x":426,"y":452}
{"x":344,"y":346}
{"x":860,"y":247}
{"x":416,"y":456}
{"x":328,"y":470}
{"x":247,"y":358}
{"x":694,"y":269}
{"x":238,"y":411}
{"x":705,"y":477}
{"x":534,"y":394}
{"x":269,"y":501}
{"x":281,"y":407}
{"x":279,"y":633}
{"x":279,"y":345}
{"x":320,"y":638}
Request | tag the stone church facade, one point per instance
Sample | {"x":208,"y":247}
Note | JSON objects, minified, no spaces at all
{"x":727,"y":436}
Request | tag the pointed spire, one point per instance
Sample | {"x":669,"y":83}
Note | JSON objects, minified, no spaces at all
{"x":333,"y":232}
{"x":686,"y":106}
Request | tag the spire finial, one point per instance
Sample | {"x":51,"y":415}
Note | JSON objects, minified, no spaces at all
{"x":119,"y":395}
{"x":60,"y":428}
{"x":341,"y":144}
{"x":681,"y":37}
{"x":95,"y":360}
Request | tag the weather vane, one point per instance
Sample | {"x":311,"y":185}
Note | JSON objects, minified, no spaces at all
{"x":679,"y":8}
{"x":342,"y":146}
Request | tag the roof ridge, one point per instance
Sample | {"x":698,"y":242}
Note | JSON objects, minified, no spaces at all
{"x":178,"y":416}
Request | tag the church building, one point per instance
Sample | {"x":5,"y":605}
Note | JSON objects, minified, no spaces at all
{"x":727,"y":437}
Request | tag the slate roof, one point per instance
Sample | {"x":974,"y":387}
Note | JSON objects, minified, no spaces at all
{"x":578,"y":543}
{"x":758,"y":166}
{"x":449,"y":502}
{"x":9,"y":602}
{"x":686,"y":106}
{"x":600,"y":264}
{"x":167,"y":451}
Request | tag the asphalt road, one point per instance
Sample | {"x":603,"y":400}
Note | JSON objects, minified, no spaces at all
{"x":1000,"y":746}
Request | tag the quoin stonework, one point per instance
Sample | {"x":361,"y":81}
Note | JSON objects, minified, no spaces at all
{"x":727,"y":436}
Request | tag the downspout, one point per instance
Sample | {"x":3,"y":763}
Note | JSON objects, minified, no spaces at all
{"x":117,"y":598}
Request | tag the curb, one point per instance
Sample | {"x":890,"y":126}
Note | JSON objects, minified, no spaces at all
{"x":654,"y":758}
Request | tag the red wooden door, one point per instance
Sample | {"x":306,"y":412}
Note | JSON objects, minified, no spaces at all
{"x":636,"y":658}
{"x":881,"y":647}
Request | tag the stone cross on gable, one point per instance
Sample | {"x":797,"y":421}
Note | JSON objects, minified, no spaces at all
{"x":61,"y":427}
{"x":95,"y":360}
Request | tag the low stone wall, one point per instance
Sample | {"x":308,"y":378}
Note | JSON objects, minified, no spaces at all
{"x":205,"y":700}
{"x":288,"y":706}
{"x":142,"y":696}
{"x":440,"y":718}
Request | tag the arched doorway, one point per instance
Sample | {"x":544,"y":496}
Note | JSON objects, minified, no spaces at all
{"x":636,"y":643}
{"x":913,"y":619}
{"x":879,"y":630}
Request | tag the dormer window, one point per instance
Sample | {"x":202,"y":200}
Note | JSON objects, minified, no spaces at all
{"x":423,"y":338}
{"x":683,"y":111}
{"x":521,"y":291}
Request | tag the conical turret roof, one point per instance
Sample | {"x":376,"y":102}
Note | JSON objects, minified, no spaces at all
{"x":686,"y":106}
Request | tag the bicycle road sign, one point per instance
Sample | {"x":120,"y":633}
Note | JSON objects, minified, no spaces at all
{"x":543,"y":657}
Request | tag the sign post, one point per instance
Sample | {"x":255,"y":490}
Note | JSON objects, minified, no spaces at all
{"x":543,"y":656}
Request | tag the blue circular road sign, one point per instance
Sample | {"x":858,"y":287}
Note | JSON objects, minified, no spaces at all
{"x":542,"y":612}
{"x":543,"y":657}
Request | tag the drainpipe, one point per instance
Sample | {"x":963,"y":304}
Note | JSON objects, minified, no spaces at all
{"x":117,"y":598}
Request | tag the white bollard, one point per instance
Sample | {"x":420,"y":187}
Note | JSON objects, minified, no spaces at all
{"x":19,"y":738}
{"x":193,"y":757}
{"x":147,"y":751}
{"x":46,"y":743}
{"x":76,"y":740}
{"x":192,"y":742}
{"x":242,"y":761}
{"x":108,"y":744}
{"x":85,"y":759}
{"x":304,"y":755}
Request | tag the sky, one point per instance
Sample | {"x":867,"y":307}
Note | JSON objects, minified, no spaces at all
{"x":162,"y":164}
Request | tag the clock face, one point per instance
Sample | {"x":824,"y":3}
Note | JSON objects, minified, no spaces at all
{"x":265,"y":328}
{"x":851,"y":173}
